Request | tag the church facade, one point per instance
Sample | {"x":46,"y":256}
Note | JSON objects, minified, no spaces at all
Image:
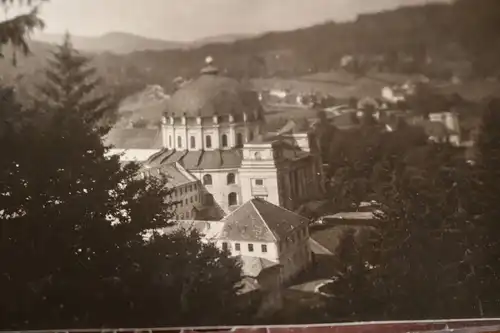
{"x":213,"y":127}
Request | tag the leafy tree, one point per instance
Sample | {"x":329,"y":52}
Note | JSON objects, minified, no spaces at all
{"x":71,"y":83}
{"x":485,"y":212}
{"x":352,"y":300}
{"x":418,"y":254}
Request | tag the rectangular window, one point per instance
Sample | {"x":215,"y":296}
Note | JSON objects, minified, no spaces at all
{"x":187,"y":215}
{"x":180,"y":190}
{"x":250,"y":247}
{"x":191,"y":199}
{"x":264,"y":248}
{"x":259,"y":182}
{"x":237,"y":246}
{"x":187,"y":201}
{"x":224,"y":246}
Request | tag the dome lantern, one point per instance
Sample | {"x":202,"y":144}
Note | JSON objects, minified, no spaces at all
{"x":209,"y":69}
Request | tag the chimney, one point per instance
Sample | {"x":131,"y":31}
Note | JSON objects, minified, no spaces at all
{"x":215,"y":119}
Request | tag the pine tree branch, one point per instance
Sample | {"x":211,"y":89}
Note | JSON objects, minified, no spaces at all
{"x":14,"y":31}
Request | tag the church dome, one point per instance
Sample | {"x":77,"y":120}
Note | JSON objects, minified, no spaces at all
{"x":212,"y":94}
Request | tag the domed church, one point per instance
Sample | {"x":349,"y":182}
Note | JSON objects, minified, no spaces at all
{"x":212,"y":128}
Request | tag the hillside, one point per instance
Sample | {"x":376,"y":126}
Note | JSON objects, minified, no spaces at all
{"x":116,"y":42}
{"x":123,"y":43}
{"x":436,"y":39}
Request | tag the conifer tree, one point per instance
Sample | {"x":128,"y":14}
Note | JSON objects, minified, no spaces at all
{"x":72,"y":227}
{"x":71,"y":83}
{"x":14,"y":30}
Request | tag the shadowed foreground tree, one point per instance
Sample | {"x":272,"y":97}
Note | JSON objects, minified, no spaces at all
{"x":417,"y":256}
{"x":484,"y":207}
{"x":72,"y":224}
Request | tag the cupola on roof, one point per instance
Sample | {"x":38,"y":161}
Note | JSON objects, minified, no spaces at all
{"x":213,"y":94}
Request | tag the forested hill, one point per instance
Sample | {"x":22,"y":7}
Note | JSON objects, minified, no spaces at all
{"x":434,"y":39}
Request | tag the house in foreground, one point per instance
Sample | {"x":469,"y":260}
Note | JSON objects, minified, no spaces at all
{"x":272,"y":244}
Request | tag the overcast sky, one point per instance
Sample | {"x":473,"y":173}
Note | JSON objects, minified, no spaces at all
{"x":193,"y":19}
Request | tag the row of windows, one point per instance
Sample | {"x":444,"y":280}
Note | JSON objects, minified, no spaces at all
{"x":237,"y":247}
{"x":189,"y":200}
{"x":230,"y":179}
{"x":187,"y":189}
{"x":208,"y":141}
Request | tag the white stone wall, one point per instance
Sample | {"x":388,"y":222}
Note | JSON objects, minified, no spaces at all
{"x":272,"y":253}
{"x":171,"y":132}
{"x":219,"y":189}
{"x":294,"y":255}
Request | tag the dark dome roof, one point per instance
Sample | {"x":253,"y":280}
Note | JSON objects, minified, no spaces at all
{"x":212,"y":94}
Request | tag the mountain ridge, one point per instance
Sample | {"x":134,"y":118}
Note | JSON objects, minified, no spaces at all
{"x":119,"y":42}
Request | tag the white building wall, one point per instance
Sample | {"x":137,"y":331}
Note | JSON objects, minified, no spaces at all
{"x":188,"y":197}
{"x":272,"y":253}
{"x":220,"y":189}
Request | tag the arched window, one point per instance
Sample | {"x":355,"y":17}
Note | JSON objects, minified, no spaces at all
{"x":224,"y":140}
{"x":170,"y":141}
{"x":208,"y":141}
{"x":193,"y":142}
{"x":231,"y":179}
{"x":179,"y":142}
{"x":250,"y":136}
{"x":239,"y":139}
{"x":207,"y":180}
{"x":232,"y":199}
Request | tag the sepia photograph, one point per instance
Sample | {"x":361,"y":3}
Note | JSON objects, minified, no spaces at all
{"x":236,"y":165}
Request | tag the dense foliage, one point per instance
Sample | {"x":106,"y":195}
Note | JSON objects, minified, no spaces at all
{"x":434,"y":253}
{"x":74,"y":221}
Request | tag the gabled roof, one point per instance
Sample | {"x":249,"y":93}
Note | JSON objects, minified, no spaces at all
{"x":175,"y":174}
{"x":260,"y":220}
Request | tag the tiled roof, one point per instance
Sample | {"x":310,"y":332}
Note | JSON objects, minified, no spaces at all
{"x":260,"y":220}
{"x":199,"y":160}
{"x":213,"y":94}
{"x":134,"y":138}
{"x":175,"y":176}
{"x":253,"y":266}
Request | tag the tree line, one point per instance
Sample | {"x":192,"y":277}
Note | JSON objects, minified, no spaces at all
{"x":434,"y":253}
